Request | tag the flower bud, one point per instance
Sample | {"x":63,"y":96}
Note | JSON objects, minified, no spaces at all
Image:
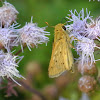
{"x":87,"y":83}
{"x":87,"y":68}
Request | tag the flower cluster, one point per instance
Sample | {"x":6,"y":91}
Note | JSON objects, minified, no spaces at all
{"x":94,"y":0}
{"x":8,"y":36}
{"x":86,"y":30}
{"x":8,"y":14}
{"x":30,"y":35}
{"x":8,"y":65}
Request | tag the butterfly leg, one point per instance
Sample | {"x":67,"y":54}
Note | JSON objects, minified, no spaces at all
{"x":75,"y":38}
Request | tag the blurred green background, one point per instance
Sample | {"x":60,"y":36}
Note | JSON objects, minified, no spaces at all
{"x":51,"y":11}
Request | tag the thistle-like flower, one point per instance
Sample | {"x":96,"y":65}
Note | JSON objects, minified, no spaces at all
{"x":8,"y":37}
{"x":84,"y":26}
{"x":8,"y":14}
{"x":8,"y":65}
{"x":94,"y":0}
{"x":93,"y":29}
{"x":32,"y":35}
{"x":78,"y":21}
{"x":85,"y":47}
{"x":85,"y":29}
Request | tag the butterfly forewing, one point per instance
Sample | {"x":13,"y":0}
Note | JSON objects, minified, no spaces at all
{"x":57,"y":65}
{"x":61,"y":58}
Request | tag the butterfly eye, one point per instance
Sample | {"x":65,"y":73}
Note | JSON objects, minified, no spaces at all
{"x":64,"y":28}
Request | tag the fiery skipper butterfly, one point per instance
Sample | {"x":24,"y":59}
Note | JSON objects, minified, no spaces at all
{"x":61,"y":58}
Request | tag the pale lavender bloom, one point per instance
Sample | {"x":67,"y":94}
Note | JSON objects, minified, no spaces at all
{"x":90,"y":0}
{"x":79,"y":21}
{"x":86,"y":49}
{"x":8,"y":14}
{"x":8,"y":66}
{"x":84,"y":26}
{"x":8,"y":37}
{"x":94,"y":0}
{"x":93,"y":29}
{"x":31,"y":34}
{"x":85,"y":29}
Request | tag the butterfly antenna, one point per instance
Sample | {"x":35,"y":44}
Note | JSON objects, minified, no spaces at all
{"x":63,"y":19}
{"x":66,"y":20}
{"x":49,"y":25}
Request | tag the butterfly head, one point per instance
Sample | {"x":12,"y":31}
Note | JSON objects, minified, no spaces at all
{"x":60,"y":27}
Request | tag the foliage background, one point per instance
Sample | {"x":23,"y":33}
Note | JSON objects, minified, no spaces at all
{"x":51,"y":11}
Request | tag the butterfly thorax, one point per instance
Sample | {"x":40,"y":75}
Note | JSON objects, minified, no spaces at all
{"x":60,"y":33}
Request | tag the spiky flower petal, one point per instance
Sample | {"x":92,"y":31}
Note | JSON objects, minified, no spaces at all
{"x":8,"y":65}
{"x":8,"y":14}
{"x":8,"y":37}
{"x":31,"y":34}
{"x":78,"y":22}
{"x":86,"y":49}
{"x":93,"y":29}
{"x":86,"y":30}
